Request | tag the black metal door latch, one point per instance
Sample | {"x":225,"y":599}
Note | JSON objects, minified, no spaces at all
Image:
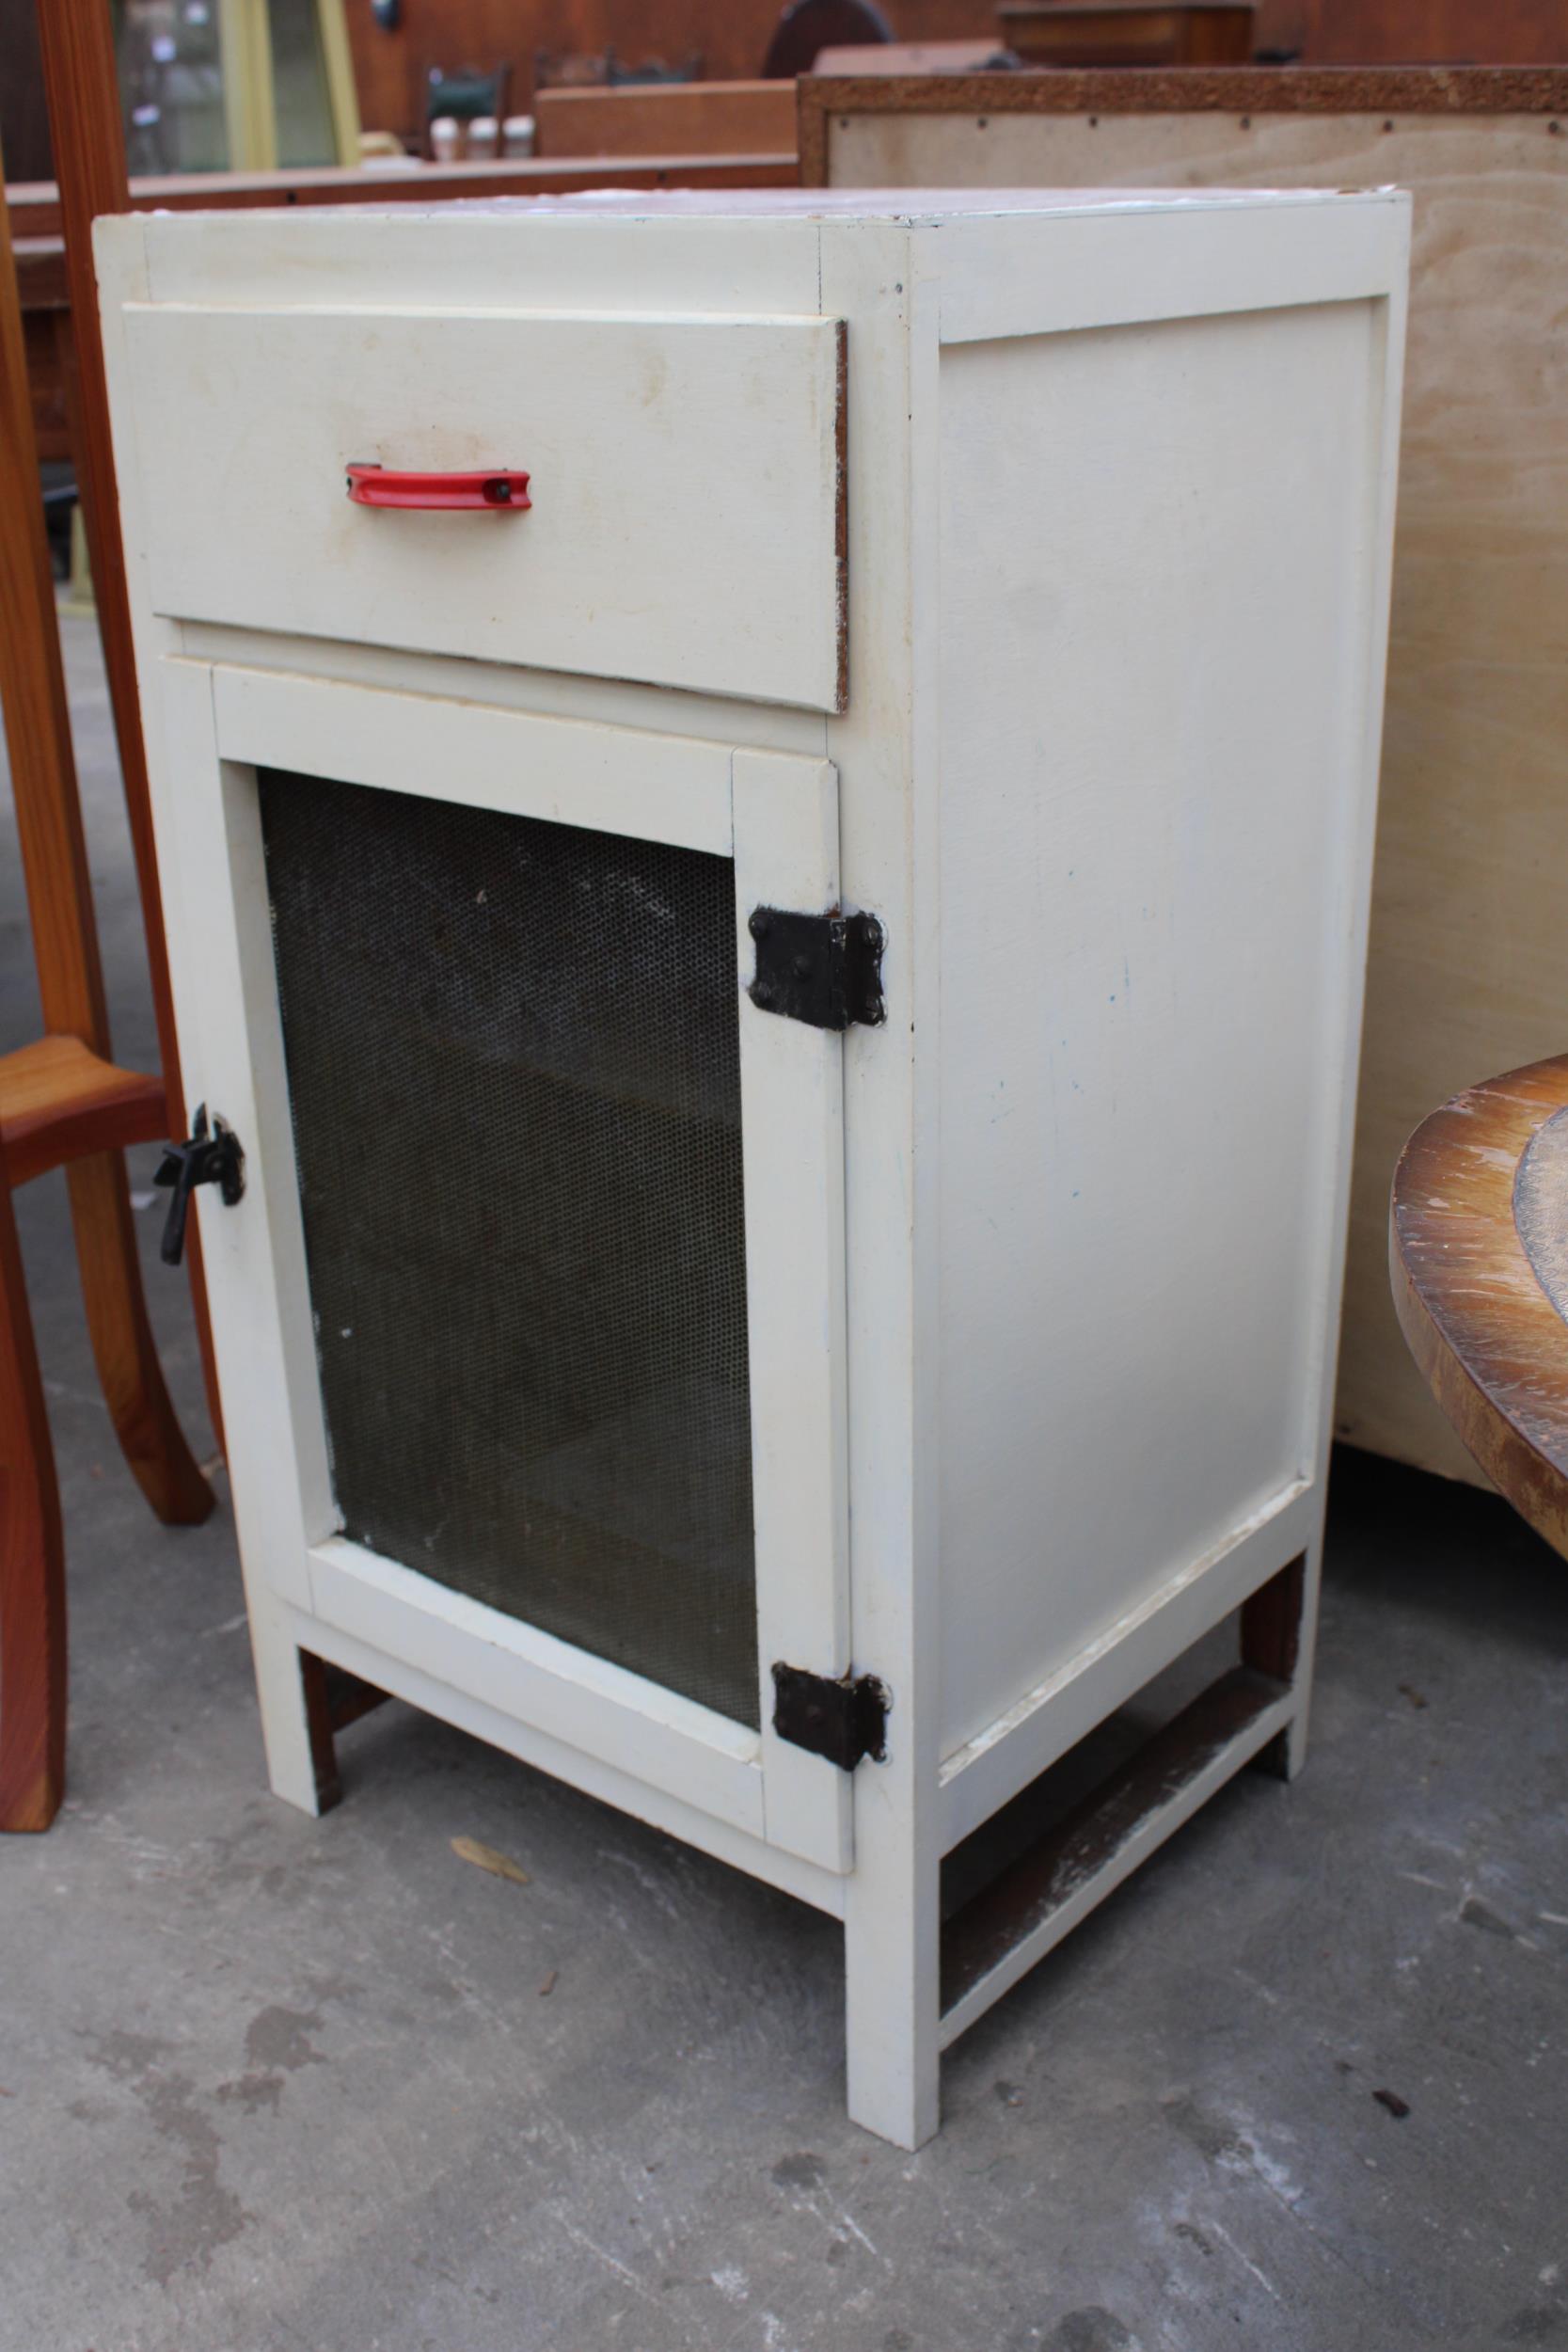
{"x":823,"y":969}
{"x":214,"y":1157}
{"x":842,"y":1719}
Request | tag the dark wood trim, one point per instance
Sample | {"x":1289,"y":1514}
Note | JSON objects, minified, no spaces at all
{"x":318,"y":1720}
{"x":40,"y":272}
{"x":32,"y":1564}
{"x":334,"y":1698}
{"x":730,"y":117}
{"x":123,"y":1347}
{"x":1271,"y":1645}
{"x":811,"y":122}
{"x":38,"y":723}
{"x":841,"y":511}
{"x":1180,"y":90}
{"x":1270,"y":1623}
{"x":348,"y":1696}
{"x":1020,"y":1901}
{"x":1127,"y":33}
{"x":36,"y":206}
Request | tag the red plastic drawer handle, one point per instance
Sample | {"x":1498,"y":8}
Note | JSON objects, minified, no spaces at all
{"x":497,"y":491}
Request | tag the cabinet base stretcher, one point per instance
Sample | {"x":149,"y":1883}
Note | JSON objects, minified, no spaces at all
{"x":1001,"y":1929}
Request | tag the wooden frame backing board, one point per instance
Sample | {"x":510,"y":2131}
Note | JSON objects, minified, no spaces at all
{"x":1465,"y":974}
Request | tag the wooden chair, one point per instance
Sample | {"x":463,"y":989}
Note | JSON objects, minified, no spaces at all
{"x":1478,"y":1256}
{"x":63,"y":1103}
{"x":467,"y":95}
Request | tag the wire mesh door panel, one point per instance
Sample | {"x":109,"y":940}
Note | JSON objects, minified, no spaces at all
{"x":514,"y":1075}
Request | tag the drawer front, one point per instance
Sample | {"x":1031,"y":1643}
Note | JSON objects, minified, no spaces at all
{"x":686,"y":479}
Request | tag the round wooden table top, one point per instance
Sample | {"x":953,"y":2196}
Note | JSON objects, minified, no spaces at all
{"x":1479,"y":1258}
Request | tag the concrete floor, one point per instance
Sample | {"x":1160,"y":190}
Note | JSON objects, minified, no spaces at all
{"x":270,"y":2084}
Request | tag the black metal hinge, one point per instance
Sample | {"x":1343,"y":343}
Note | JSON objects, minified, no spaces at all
{"x":842,"y":1719}
{"x":204,"y":1158}
{"x":825,"y":969}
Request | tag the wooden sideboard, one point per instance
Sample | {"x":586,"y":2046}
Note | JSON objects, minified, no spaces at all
{"x":1127,"y":32}
{"x":666,"y":119}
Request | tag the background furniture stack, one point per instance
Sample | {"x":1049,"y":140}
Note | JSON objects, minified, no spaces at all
{"x":733,"y":118}
{"x":1127,"y":32}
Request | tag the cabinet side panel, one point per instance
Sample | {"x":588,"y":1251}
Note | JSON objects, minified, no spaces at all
{"x":1157,"y":564}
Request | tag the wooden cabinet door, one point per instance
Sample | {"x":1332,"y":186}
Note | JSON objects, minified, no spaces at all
{"x":531,"y":1321}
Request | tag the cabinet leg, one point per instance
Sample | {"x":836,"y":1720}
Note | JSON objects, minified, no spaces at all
{"x":284,"y":1691}
{"x":1277,"y":1627}
{"x":1292,"y":1742}
{"x":318,"y":1714}
{"x":892,"y":1953}
{"x":32,"y":1565}
{"x":150,"y":1437}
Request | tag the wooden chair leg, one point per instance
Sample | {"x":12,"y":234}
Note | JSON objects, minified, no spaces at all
{"x":196,"y":1270}
{"x":32,"y":1565}
{"x":150,"y":1438}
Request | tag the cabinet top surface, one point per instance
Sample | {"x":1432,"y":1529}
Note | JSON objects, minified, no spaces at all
{"x":915,"y":207}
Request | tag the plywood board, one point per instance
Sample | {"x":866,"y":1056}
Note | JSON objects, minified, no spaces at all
{"x":1468,"y":971}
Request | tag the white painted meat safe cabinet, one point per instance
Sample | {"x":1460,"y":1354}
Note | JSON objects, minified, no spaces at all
{"x":766,"y":806}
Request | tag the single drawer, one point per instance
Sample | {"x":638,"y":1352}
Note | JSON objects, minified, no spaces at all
{"x":686,"y":479}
